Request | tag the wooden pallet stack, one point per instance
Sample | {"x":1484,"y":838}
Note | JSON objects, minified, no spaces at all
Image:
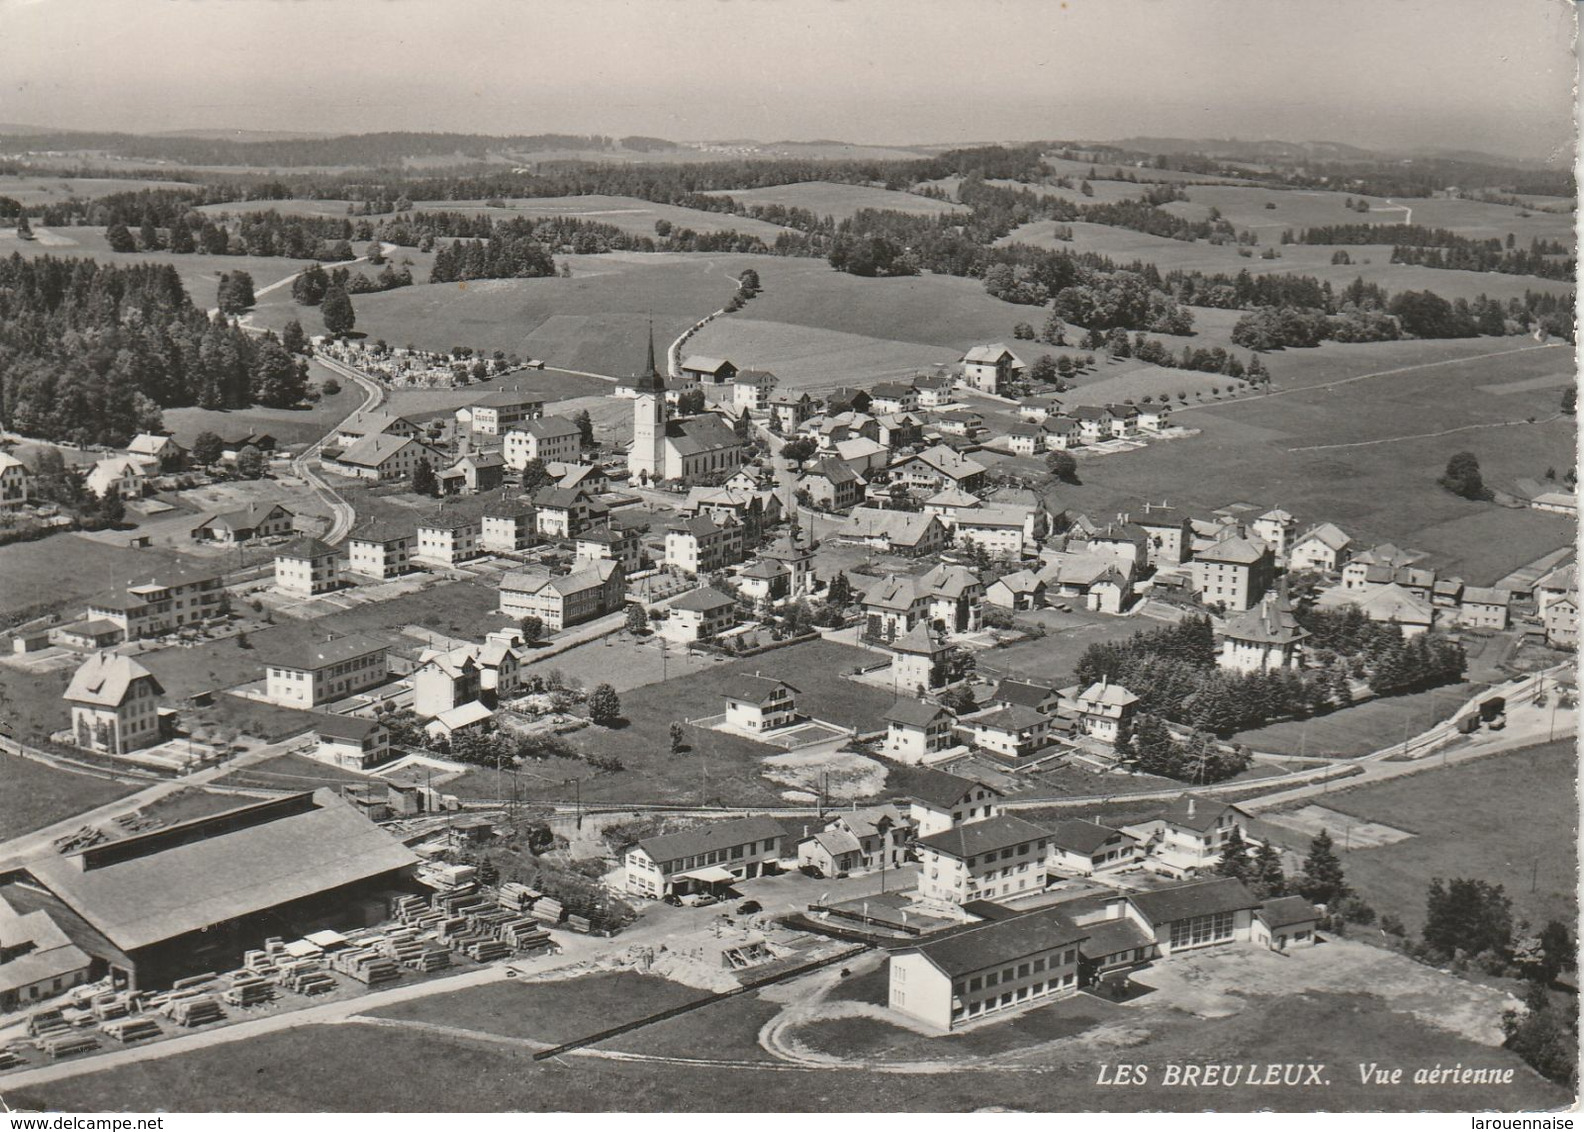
{"x":129,"y":1030}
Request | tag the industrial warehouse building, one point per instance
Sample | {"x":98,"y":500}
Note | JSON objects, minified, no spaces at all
{"x":192,"y":897}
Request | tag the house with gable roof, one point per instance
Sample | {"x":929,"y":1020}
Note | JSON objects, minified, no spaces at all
{"x":941,"y":801}
{"x":1263,"y":639}
{"x":114,"y":703}
{"x":992,"y":368}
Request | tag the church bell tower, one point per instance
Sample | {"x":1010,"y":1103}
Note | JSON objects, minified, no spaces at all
{"x":646,"y":457}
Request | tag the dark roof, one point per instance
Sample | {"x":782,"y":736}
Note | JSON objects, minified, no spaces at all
{"x":704,"y":433}
{"x":975,"y":837}
{"x":914,"y":712}
{"x":755,"y":689}
{"x":703,"y":600}
{"x":1082,"y":836}
{"x":343,"y":726}
{"x":507,"y":397}
{"x":1002,"y":941}
{"x":1023,"y":693}
{"x":1109,"y":937}
{"x":558,"y":498}
{"x":322,"y":654}
{"x":1194,"y":812}
{"x":1285,"y":911}
{"x":1014,"y":717}
{"x":941,"y":790}
{"x":156,"y":886}
{"x":1201,"y":898}
{"x":380,"y":533}
{"x":305,"y":547}
{"x":704,"y":838}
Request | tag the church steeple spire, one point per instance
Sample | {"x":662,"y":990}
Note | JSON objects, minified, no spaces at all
{"x":650,"y":381}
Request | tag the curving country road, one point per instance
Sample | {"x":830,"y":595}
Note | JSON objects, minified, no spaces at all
{"x":306,"y":464}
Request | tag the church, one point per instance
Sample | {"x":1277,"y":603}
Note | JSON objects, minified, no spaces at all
{"x":683,"y":448}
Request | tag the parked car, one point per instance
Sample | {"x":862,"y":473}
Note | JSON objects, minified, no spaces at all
{"x":749,"y":908}
{"x":672,"y":899}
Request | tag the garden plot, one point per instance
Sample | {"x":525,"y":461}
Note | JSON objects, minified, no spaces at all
{"x":843,"y":775}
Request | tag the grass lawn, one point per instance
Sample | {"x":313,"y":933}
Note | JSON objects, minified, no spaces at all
{"x":1053,"y":657}
{"x":33,"y":571}
{"x":37,"y":795}
{"x":289,"y":427}
{"x":718,"y":765}
{"x":550,"y":1012}
{"x":597,"y":321}
{"x":322,"y":1068}
{"x":457,"y":609}
{"x":1510,"y":819}
{"x":842,"y":202}
{"x":1363,"y":728}
{"x":31,"y":705}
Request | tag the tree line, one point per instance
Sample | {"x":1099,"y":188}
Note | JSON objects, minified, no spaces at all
{"x":91,"y":353}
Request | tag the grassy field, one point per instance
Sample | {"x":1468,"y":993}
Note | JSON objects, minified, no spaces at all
{"x":824,"y":198}
{"x":289,"y":427}
{"x":1363,"y":728}
{"x":596,"y":321}
{"x":323,"y":1068}
{"x":717,"y":765}
{"x":36,"y":795}
{"x":290,"y":772}
{"x":1053,"y":656}
{"x":1510,"y":819}
{"x":336,"y":209}
{"x":1362,"y":455}
{"x":34,"y":191}
{"x":33,"y":570}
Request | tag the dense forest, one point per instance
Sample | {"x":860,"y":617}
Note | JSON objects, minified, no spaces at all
{"x":91,"y":354}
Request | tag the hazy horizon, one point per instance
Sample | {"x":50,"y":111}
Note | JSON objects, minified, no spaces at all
{"x":1398,"y":76}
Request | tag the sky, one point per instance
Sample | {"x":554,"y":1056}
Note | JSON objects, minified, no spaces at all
{"x":1475,"y":74}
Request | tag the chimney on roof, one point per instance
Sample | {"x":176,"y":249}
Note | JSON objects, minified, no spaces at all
{"x":1190,"y":805}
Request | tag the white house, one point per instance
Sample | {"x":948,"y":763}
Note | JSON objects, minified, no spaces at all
{"x":916,"y":729}
{"x":941,"y":801}
{"x":759,"y":703}
{"x":1084,"y":848}
{"x":306,"y":567}
{"x":991,"y":369}
{"x":114,"y":704}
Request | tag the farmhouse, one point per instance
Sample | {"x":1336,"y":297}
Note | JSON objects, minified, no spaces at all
{"x":883,"y":833}
{"x":568,"y":599}
{"x":114,"y":704}
{"x":998,"y":857}
{"x":306,"y":567}
{"x":379,"y":552}
{"x":938,"y":468}
{"x":256,"y":520}
{"x":1381,"y":561}
{"x":126,"y":476}
{"x":362,"y":425}
{"x":709,"y":855}
{"x":941,"y":801}
{"x":916,"y":729}
{"x":901,"y":532}
{"x":995,"y":966}
{"x":707,"y":371}
{"x":1021,"y":589}
{"x":1322,"y":549}
{"x":194,"y":896}
{"x":549,"y":439}
{"x":382,"y":457}
{"x":991,"y":369}
{"x":307,"y":676}
{"x":934,"y":390}
{"x":473,"y":473}
{"x":862,"y":454}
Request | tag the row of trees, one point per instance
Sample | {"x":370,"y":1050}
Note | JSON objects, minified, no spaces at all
{"x":1150,"y":747}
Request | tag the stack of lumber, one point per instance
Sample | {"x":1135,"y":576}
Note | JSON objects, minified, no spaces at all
{"x":199,"y":1010}
{"x":366,"y":965}
{"x":127,"y":1030}
{"x":309,"y":982}
{"x":548,"y":910}
{"x":487,"y":950}
{"x":579,"y":924}
{"x":195,"y":981}
{"x":526,"y":935}
{"x":44,"y":1022}
{"x":8,"y":1059}
{"x":108,"y":1006}
{"x":64,"y":1045}
{"x":517,"y":897}
{"x":248,"y":990}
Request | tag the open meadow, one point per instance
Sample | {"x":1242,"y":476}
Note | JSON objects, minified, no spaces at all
{"x":632,"y":215}
{"x":37,"y":795}
{"x":289,"y":427}
{"x":69,"y":567}
{"x":597,"y":321}
{"x":1509,"y":819}
{"x":840,"y":201}
{"x":36,"y":191}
